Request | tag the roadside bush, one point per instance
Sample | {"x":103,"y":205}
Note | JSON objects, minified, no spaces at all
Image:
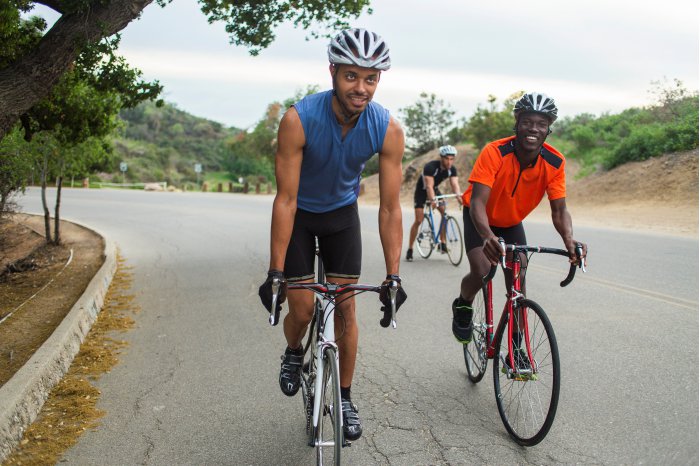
{"x":642,"y":143}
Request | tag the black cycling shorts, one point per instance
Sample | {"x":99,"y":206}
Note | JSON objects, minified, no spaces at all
{"x":472,"y":239}
{"x":421,"y":195}
{"x":339,"y":240}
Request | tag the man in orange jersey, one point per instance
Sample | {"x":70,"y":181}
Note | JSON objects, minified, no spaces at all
{"x":509,"y":179}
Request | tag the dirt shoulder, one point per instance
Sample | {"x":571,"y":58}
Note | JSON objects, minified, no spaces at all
{"x":39,"y":283}
{"x":657,"y":196}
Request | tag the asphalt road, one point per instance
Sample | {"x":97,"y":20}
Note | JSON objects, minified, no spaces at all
{"x":198,"y":383}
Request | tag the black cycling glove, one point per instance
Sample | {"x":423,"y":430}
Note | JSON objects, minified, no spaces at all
{"x":386,"y":299}
{"x":265,"y":292}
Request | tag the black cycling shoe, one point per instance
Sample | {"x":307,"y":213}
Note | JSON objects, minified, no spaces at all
{"x":462,"y":320}
{"x":442,"y":247}
{"x":290,"y":372}
{"x":409,"y":255}
{"x":352,"y":426}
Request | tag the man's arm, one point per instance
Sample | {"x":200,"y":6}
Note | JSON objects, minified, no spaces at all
{"x":390,"y":176}
{"x":477,"y":212}
{"x":561,"y":218}
{"x":290,"y":143}
{"x":429,"y":182}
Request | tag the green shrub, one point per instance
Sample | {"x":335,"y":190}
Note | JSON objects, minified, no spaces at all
{"x":642,"y":143}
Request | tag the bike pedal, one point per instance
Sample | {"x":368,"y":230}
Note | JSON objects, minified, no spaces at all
{"x":346,"y":443}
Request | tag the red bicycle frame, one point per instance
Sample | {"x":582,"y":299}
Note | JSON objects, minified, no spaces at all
{"x":512,"y":295}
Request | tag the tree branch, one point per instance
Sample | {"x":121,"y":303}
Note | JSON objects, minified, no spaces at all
{"x":30,"y":79}
{"x":56,"y":5}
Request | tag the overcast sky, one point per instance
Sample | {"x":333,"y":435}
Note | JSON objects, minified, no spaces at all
{"x":592,"y":56}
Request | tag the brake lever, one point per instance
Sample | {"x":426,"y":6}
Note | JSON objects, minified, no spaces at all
{"x":393,"y":289}
{"x":275,"y":292}
{"x":502,"y":242}
{"x":582,"y":260}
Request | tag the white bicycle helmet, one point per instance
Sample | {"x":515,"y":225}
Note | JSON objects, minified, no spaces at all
{"x":538,"y":103}
{"x":447,"y":150}
{"x":359,"y":47}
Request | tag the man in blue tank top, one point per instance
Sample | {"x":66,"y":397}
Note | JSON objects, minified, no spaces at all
{"x":324,"y":141}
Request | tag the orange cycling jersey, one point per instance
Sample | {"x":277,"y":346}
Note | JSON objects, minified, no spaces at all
{"x":515,"y":192}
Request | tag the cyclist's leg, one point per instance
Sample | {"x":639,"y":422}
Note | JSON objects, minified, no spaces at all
{"x":341,"y":248}
{"x":298,"y":267}
{"x":471,"y":284}
{"x":478,"y":263}
{"x":515,"y":235}
{"x":418,"y":209}
{"x":419,"y":197}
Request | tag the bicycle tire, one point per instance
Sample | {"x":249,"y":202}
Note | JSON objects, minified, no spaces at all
{"x":329,"y":433}
{"x":476,"y":351}
{"x":527,"y":407}
{"x":455,"y":241}
{"x":425,"y":242}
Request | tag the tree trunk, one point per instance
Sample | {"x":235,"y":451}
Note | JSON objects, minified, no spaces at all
{"x":57,"y":216}
{"x":30,"y":79}
{"x":47,"y":216}
{"x":3,"y":199}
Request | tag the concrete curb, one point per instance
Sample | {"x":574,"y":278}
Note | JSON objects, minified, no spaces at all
{"x":22,"y":397}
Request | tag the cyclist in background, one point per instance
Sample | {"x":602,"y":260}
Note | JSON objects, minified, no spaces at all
{"x":324,"y":141}
{"x":434,"y":173}
{"x":509,"y":179}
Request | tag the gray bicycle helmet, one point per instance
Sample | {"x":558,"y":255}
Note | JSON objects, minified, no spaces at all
{"x":538,"y":103}
{"x":359,"y":47}
{"x":447,"y":150}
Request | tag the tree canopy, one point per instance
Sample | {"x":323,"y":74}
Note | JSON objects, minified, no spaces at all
{"x":427,"y":123}
{"x":32,"y":63}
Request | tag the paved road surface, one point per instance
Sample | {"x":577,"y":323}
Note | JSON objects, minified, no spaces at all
{"x":198,"y":384}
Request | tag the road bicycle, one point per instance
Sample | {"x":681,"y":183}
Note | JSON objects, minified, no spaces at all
{"x":524,"y":350}
{"x":320,"y":378}
{"x":429,"y":237}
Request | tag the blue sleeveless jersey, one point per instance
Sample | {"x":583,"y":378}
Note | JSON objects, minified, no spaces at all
{"x":331,"y":165}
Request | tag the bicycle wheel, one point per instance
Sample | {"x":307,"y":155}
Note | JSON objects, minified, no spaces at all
{"x":528,"y":404}
{"x":476,"y":351}
{"x":424,"y":240}
{"x":329,"y":433}
{"x":455,"y":242}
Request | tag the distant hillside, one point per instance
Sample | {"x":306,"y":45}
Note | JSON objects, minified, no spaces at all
{"x":164,"y":144}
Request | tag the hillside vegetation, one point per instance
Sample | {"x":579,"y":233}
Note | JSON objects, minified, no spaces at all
{"x":164,"y":144}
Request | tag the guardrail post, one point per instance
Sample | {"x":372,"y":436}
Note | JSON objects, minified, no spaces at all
{"x":257,"y":188}
{"x":269,"y":188}
{"x":205,"y":187}
{"x":230,"y":187}
{"x":86,"y":182}
{"x":220,"y":187}
{"x":246,"y":187}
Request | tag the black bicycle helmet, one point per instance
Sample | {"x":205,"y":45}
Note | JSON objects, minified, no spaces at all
{"x":359,"y":47}
{"x":538,"y":103}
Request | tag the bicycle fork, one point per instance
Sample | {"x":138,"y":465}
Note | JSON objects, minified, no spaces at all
{"x":518,"y":325}
{"x":327,"y":341}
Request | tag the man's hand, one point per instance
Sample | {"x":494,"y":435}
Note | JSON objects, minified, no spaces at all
{"x":265,"y":290}
{"x":571,"y":247}
{"x":385,"y":299}
{"x":493,"y":250}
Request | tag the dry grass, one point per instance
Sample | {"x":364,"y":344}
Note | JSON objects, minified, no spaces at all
{"x":71,"y":408}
